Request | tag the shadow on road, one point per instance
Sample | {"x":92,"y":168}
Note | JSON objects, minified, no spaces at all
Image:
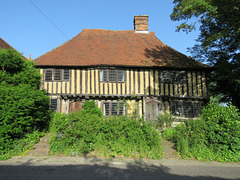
{"x":96,"y":169}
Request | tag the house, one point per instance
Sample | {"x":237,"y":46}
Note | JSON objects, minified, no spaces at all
{"x":133,"y":66}
{"x":5,"y":45}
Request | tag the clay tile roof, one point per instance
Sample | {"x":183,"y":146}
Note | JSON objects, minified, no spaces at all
{"x":94,"y":47}
{"x":4,"y":45}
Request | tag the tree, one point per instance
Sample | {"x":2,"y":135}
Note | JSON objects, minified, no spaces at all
{"x":23,"y":107}
{"x":218,"y":43}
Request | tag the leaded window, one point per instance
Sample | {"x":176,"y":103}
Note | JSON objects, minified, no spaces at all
{"x":53,"y":104}
{"x":113,"y":108}
{"x":112,"y":75}
{"x":66,"y":74}
{"x":171,"y":76}
{"x":185,"y":109}
{"x":57,"y":74}
{"x":48,"y":75}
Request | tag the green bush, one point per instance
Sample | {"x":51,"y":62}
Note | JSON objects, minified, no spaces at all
{"x":90,"y":107}
{"x":80,"y":133}
{"x":23,"y":107}
{"x":215,"y":137}
{"x":129,"y":137}
{"x":168,"y":133}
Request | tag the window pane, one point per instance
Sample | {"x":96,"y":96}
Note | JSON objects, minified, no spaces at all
{"x":185,"y":109}
{"x":182,"y":77}
{"x":106,"y":109}
{"x":66,"y":74}
{"x":112,"y":75}
{"x":121,"y":108}
{"x":103,"y":75}
{"x":121,"y":75}
{"x":166,"y":76}
{"x":114,"y":109}
{"x":57,"y":74}
{"x":53,"y":104}
{"x":48,"y":74}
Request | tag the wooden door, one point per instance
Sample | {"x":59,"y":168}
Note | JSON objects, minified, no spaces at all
{"x":75,"y":106}
{"x":152,"y":110}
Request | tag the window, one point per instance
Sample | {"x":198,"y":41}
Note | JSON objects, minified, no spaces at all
{"x":48,"y":75}
{"x":121,"y":75}
{"x":53,"y":104}
{"x":103,"y":75}
{"x":57,"y":74}
{"x":185,"y":109}
{"x":112,"y":75}
{"x":66,"y":74}
{"x":173,"y":76}
{"x":113,"y":109}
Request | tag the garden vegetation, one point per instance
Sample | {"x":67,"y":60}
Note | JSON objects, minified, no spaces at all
{"x":88,"y":132}
{"x":24,"y":109}
{"x":215,"y":137}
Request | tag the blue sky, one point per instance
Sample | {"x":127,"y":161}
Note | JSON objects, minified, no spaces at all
{"x":30,"y":32}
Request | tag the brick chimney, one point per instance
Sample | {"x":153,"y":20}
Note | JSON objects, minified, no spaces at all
{"x":141,"y":24}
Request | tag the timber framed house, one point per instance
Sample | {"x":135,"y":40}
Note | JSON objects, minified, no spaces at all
{"x":132,"y":65}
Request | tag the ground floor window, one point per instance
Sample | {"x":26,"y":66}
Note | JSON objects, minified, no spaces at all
{"x":185,"y":109}
{"x":53,"y":104}
{"x":113,"y":109}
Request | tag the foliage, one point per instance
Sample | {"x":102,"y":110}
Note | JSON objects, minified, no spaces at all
{"x":15,"y":70}
{"x":164,"y":120}
{"x":83,"y":133}
{"x":218,"y":42}
{"x":129,"y":137}
{"x":21,"y":146}
{"x":90,"y":107}
{"x":215,"y":137}
{"x":23,"y":108}
{"x":168,"y":133}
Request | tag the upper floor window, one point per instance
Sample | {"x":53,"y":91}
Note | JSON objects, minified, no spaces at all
{"x":57,"y":74}
{"x":112,"y":75}
{"x":173,"y":76}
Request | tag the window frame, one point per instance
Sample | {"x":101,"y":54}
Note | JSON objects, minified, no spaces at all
{"x":173,"y":76}
{"x":105,"y":75}
{"x":185,"y":109}
{"x":120,"y":109}
{"x":57,"y":74}
{"x":53,"y":104}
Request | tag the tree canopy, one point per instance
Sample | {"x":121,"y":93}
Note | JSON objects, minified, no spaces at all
{"x":218,"y":43}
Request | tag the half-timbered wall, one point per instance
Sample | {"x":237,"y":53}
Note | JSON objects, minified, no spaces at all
{"x":140,"y":82}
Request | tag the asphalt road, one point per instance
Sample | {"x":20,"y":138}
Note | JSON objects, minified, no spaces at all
{"x":19,"y":168}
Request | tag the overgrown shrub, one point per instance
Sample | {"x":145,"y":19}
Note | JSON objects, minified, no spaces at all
{"x":215,"y":137}
{"x":80,"y":133}
{"x":23,"y":107}
{"x":90,"y":107}
{"x":129,"y":137}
